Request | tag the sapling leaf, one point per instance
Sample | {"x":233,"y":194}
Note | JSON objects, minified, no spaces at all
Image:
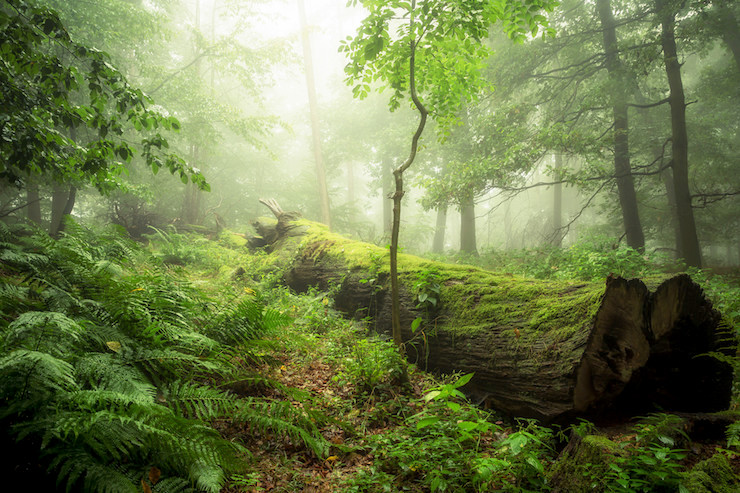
{"x":426,"y":422}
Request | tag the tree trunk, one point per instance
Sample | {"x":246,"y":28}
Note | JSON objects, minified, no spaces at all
{"x":33,"y":199}
{"x":62,"y":203}
{"x":622,"y":166}
{"x":323,"y":189}
{"x":387,"y":179}
{"x":729,"y":29}
{"x":551,"y":350}
{"x":557,"y":203}
{"x":680,"y":143}
{"x":438,"y":243}
{"x":467,"y":226}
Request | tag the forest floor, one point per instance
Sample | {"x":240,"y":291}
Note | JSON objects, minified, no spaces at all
{"x":379,"y":440}
{"x":308,"y":400}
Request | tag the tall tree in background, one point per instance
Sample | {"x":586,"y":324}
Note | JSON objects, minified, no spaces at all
{"x":435,"y":60}
{"x":689,"y":248}
{"x":619,"y":88}
{"x":323,"y":188}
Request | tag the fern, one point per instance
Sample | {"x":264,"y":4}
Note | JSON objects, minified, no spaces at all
{"x":52,"y":332}
{"x":103,"y":359}
{"x":282,"y":418}
{"x":200,"y":401}
{"x":25,"y":373}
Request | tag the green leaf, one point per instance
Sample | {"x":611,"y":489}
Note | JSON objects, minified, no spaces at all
{"x":432,"y":395}
{"x":426,"y":422}
{"x":463,"y":380}
{"x":467,"y":426}
{"x":415,"y":324}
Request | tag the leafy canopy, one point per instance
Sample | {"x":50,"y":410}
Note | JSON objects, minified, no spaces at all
{"x":65,"y":109}
{"x":448,"y":39}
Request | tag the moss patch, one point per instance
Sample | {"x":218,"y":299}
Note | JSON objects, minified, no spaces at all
{"x":472,"y":300}
{"x":713,"y":475}
{"x":583,"y":464}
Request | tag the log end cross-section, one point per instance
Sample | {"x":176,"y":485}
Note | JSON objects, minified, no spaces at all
{"x":653,"y":351}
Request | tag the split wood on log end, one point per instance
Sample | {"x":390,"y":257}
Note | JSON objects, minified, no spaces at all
{"x":652,"y":351}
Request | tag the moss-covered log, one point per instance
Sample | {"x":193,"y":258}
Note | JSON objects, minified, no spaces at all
{"x":550,"y":350}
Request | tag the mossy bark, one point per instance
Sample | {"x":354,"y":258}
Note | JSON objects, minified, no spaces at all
{"x":713,"y":475}
{"x":550,"y":350}
{"x":582,"y":464}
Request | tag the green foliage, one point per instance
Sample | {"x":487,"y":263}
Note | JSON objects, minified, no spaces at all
{"x":590,"y":259}
{"x":374,"y":366}
{"x":446,"y":39}
{"x":111,"y":363}
{"x":428,"y":289}
{"x":440,"y":444}
{"x":50,"y":82}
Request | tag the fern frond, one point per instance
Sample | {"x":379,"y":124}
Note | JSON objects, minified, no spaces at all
{"x":282,"y":418}
{"x":80,"y":471}
{"x":24,"y":261}
{"x":24,"y":373}
{"x":52,"y":332}
{"x":162,"y":364}
{"x":191,"y":399}
{"x":105,"y":371}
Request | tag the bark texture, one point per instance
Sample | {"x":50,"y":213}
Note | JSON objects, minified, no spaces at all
{"x":622,"y":166}
{"x":542,"y":349}
{"x":690,"y":248}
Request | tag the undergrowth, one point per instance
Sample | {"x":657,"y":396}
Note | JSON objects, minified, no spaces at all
{"x":123,"y":370}
{"x":113,"y":366}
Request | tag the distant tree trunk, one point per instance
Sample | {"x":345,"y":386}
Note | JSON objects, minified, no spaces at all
{"x":557,"y":205}
{"x":680,"y":143}
{"x":191,"y":200}
{"x":438,"y":244}
{"x":387,"y":179}
{"x":62,"y":203}
{"x":33,"y":210}
{"x":670,"y":190}
{"x":622,"y":166}
{"x":729,"y":29}
{"x":323,"y":189}
{"x":467,"y":225}
{"x":351,"y":188}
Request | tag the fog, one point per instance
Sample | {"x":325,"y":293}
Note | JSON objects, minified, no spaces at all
{"x":535,"y":155}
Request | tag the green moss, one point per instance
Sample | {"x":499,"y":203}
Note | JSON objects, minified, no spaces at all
{"x":713,"y":475}
{"x":583,"y":469}
{"x":472,"y":300}
{"x":231,"y":239}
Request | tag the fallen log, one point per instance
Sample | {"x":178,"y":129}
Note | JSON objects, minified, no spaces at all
{"x":550,"y":350}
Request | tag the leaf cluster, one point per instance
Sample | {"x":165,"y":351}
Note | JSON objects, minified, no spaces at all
{"x":53,"y":89}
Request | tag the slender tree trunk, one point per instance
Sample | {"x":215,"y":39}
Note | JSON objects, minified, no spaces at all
{"x":680,"y":143}
{"x":622,"y":166}
{"x":33,"y":199}
{"x":557,"y":203}
{"x":191,"y":200}
{"x":398,"y":194}
{"x":314,"y":110}
{"x":387,"y":179}
{"x":438,"y":243}
{"x":62,"y":203}
{"x":467,"y":225}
